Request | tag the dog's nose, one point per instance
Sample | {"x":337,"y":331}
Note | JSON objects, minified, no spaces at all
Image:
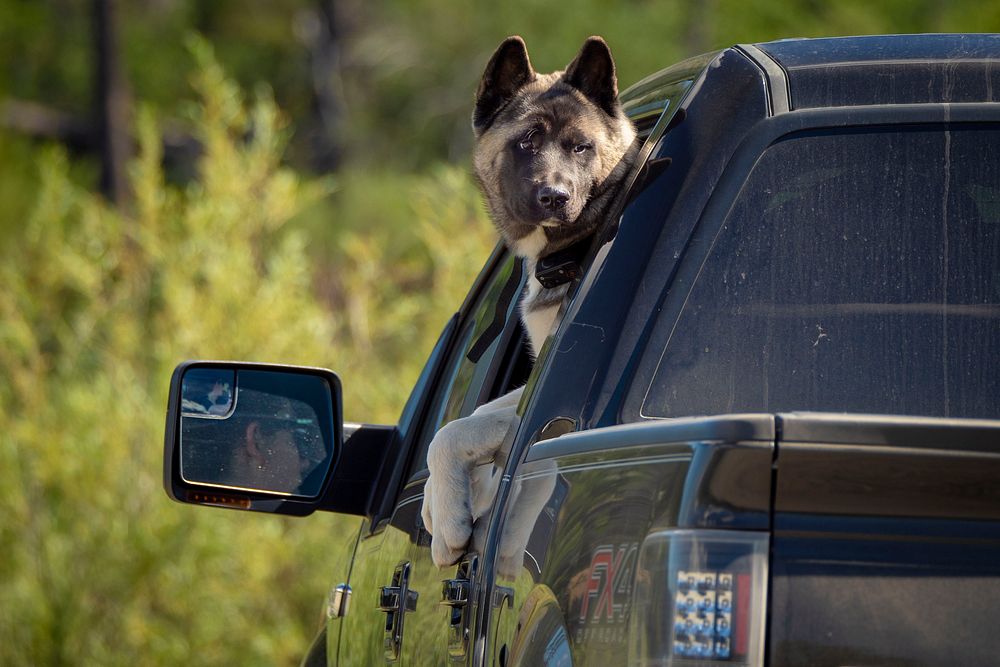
{"x":552,"y":198}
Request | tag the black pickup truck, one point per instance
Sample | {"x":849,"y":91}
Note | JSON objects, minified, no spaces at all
{"x":767,"y":431}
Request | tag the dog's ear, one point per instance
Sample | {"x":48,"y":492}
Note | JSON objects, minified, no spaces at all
{"x":592,"y":72}
{"x":508,"y":70}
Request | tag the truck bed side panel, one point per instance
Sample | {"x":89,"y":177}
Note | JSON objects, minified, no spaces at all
{"x":886,"y":544}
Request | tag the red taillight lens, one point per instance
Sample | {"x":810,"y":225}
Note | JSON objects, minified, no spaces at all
{"x":700,"y":599}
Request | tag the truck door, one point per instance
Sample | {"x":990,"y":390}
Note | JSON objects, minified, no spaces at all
{"x":396,"y":613}
{"x":436,"y":630}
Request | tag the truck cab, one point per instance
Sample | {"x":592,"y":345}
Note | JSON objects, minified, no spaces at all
{"x":767,"y":429}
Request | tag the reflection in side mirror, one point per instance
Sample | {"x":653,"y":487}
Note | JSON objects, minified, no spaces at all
{"x":258,"y":430}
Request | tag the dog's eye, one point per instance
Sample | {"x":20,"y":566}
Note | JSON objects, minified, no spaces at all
{"x":582,"y":148}
{"x":528,"y":143}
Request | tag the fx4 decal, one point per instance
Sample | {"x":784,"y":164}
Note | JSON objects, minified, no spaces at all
{"x":607,"y":590}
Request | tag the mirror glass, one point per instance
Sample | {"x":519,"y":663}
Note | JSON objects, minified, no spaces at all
{"x":257,"y":430}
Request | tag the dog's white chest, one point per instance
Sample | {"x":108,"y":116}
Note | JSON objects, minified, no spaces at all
{"x":531,"y":246}
{"x":538,"y":321}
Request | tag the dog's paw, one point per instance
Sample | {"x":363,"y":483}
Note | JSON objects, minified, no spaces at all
{"x":454,"y":531}
{"x":513,"y":548}
{"x":426,"y":513}
{"x":480,"y":531}
{"x":450,"y":530}
{"x":509,"y":565}
{"x":442,"y":554}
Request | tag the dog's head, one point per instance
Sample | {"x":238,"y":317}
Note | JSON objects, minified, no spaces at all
{"x":547,"y":143}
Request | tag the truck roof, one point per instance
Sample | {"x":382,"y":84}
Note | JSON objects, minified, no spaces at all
{"x":840,"y":72}
{"x":888,"y":69}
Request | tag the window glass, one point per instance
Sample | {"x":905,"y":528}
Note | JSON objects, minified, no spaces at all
{"x":644,"y":102}
{"x":856,"y":272}
{"x":464,"y":382}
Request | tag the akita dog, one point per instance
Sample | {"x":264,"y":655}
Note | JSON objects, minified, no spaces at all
{"x":552,"y":152}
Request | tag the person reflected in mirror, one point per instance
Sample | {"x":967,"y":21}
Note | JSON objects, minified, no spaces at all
{"x":275,"y":450}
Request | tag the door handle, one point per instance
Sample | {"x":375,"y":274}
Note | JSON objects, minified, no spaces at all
{"x":395,"y":600}
{"x":388,"y":598}
{"x":457,"y":594}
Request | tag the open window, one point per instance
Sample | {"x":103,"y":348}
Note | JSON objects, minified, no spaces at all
{"x":493,"y":329}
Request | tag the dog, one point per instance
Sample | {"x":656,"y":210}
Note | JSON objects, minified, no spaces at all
{"x":551,"y":154}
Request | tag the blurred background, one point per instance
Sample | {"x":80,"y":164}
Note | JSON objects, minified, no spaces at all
{"x":268,"y":180}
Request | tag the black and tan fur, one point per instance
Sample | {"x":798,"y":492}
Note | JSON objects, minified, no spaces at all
{"x":552,"y":152}
{"x":537,"y":134}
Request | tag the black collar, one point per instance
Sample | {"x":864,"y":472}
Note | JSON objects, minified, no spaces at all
{"x":553,"y":270}
{"x":563,"y":266}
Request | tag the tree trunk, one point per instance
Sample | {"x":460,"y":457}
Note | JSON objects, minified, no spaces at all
{"x":320,"y":30}
{"x":112,"y":103}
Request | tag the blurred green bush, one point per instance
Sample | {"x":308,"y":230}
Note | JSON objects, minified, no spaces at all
{"x":97,"y":566}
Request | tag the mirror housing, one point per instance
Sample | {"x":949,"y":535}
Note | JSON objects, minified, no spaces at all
{"x":258,"y":437}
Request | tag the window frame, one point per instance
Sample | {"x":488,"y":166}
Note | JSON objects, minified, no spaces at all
{"x":500,"y":359}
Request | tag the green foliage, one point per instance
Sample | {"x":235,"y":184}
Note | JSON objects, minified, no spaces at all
{"x":18,"y":183}
{"x":97,"y":566}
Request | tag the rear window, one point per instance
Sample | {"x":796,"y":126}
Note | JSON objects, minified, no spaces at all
{"x":856,"y":271}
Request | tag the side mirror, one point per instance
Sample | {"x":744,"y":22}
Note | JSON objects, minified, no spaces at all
{"x":252,"y":436}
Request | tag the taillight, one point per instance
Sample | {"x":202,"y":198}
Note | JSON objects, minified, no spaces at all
{"x":700,"y":599}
